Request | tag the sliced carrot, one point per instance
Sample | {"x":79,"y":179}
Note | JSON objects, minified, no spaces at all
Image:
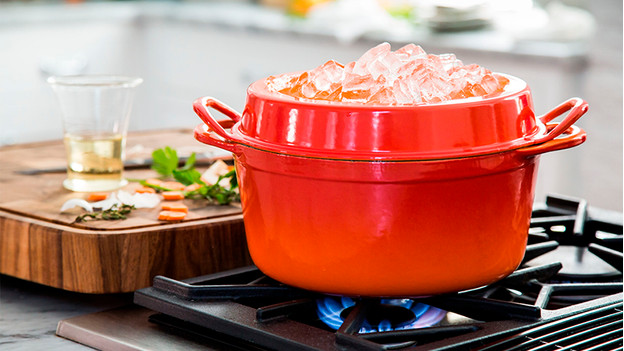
{"x":172,"y":195}
{"x":172,"y":185}
{"x":176,"y":216}
{"x":97,"y":196}
{"x":192,"y":187}
{"x":171,"y":216}
{"x":154,"y":181}
{"x":175,"y":206}
{"x":145,"y":189}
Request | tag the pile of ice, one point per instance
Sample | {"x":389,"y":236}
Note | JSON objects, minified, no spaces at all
{"x":406,"y":76}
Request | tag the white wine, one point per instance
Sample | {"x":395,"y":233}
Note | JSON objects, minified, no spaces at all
{"x":94,"y":162}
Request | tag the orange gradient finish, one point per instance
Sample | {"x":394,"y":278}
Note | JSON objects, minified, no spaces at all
{"x":386,"y":228}
{"x":399,"y":207}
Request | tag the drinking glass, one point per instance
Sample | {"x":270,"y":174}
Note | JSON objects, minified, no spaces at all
{"x":95,"y":110}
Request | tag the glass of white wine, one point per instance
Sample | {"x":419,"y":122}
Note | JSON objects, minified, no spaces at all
{"x":95,"y":110}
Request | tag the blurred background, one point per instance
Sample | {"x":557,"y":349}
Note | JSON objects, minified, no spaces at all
{"x":188,"y":49}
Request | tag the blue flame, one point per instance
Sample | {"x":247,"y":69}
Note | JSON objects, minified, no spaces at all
{"x":330,"y":308}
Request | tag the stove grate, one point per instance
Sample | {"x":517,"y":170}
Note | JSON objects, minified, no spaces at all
{"x":598,"y":329}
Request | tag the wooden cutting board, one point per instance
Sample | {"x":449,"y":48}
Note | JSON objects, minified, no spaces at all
{"x":40,"y":244}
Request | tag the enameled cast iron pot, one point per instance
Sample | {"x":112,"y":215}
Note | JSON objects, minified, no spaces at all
{"x":388,"y":201}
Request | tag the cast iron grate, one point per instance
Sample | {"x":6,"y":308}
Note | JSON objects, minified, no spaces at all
{"x":596,"y":329}
{"x":556,"y":288}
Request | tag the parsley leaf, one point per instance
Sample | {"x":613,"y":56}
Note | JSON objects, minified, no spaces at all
{"x":190,"y":163}
{"x":165,"y":161}
{"x":187,"y":176}
{"x":233,"y":180}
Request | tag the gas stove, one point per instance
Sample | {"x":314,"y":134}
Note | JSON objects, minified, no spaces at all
{"x":566,"y":294}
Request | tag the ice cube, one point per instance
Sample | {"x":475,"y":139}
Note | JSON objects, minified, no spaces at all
{"x":502,"y":81}
{"x":330,"y":95}
{"x":474,"y":73}
{"x":280,"y":82}
{"x":403,"y":94}
{"x":357,"y":82}
{"x":376,"y":69}
{"x":387,"y":66}
{"x":433,"y":87}
{"x":449,"y":62}
{"x":473,"y":80}
{"x":370,"y":56}
{"x":326,"y":74}
{"x":435,"y":65}
{"x":408,"y":68}
{"x":489,"y":83}
{"x":384,"y":96}
{"x":361,"y":88}
{"x":308,"y":90}
{"x":410,"y":51}
{"x":295,"y":85}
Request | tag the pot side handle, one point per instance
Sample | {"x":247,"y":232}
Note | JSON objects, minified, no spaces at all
{"x":203,"y":133}
{"x":561,"y":135}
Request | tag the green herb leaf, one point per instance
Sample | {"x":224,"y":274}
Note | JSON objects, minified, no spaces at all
{"x":221,"y":198}
{"x":157,"y":187}
{"x":220,"y":194}
{"x":187,"y":176}
{"x":233,"y":180}
{"x":190,"y":163}
{"x":165,"y":161}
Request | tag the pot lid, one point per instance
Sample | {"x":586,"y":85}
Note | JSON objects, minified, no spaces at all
{"x":457,"y":128}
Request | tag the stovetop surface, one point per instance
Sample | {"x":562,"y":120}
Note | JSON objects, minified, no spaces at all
{"x":570,"y":283}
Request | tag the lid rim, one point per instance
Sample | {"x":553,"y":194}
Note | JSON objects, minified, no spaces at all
{"x":387,"y":155}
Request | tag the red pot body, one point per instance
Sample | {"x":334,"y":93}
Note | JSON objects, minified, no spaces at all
{"x":386,"y":228}
{"x":385,"y":200}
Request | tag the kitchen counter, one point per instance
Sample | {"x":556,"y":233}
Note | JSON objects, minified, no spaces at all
{"x":29,"y":314}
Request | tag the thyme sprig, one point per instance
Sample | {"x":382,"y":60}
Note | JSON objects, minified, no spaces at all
{"x":114,"y":213}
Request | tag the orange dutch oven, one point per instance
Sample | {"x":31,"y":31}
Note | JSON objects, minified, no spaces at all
{"x":353,"y":199}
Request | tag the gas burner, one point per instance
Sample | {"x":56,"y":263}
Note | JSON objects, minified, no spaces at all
{"x":556,"y":297}
{"x":383,"y":314}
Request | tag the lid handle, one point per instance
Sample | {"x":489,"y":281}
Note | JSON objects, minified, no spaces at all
{"x":561,"y":135}
{"x":203,"y":133}
{"x":576,"y":107}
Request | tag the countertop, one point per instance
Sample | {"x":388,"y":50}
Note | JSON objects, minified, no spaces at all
{"x":29,"y":314}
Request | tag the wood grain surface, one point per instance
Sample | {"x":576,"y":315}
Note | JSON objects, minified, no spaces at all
{"x":40,"y":244}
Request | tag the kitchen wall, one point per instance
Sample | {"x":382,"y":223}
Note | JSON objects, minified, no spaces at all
{"x":188,"y":50}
